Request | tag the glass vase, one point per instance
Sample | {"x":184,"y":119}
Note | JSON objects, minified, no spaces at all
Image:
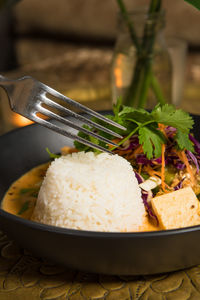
{"x":141,"y":66}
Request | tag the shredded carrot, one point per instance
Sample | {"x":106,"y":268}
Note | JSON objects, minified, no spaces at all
{"x":138,"y":150}
{"x":184,"y":159}
{"x":163,"y":184}
{"x":162,"y":129}
{"x":116,"y":140}
{"x":151,"y":171}
{"x":159,"y":174}
{"x":123,"y":152}
{"x":129,"y":154}
{"x":161,"y":126}
{"x":163,"y":168}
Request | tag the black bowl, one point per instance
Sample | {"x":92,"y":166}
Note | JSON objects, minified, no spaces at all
{"x":108,"y":253}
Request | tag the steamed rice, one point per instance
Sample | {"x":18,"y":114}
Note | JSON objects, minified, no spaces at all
{"x":90,"y":192}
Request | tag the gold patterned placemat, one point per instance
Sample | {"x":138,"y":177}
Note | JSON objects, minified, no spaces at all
{"x":24,"y":277}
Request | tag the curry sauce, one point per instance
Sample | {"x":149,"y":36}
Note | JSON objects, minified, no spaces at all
{"x":21,"y":197}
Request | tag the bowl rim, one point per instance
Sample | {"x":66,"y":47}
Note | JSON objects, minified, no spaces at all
{"x":95,"y":234}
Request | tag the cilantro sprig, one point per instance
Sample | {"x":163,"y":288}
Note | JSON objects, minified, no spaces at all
{"x":145,"y":124}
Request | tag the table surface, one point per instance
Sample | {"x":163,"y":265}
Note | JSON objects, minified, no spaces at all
{"x":23,"y":276}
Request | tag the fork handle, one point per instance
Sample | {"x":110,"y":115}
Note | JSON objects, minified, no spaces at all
{"x":4,"y":81}
{"x":3,"y":78}
{"x":7,"y":85}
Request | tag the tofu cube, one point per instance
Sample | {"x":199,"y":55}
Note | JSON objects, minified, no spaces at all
{"x":177,"y":209}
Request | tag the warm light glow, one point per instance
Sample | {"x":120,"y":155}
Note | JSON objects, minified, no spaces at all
{"x":20,"y":121}
{"x":118,"y":72}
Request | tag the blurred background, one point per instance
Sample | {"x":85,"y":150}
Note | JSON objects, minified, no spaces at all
{"x":69,"y":45}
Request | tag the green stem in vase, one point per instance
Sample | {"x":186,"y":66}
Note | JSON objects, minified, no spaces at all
{"x":155,"y":6}
{"x":157,"y":90}
{"x":148,"y":46}
{"x":195,"y":3}
{"x":143,"y":76}
{"x":133,"y":90}
{"x":145,"y":84}
{"x":129,"y":24}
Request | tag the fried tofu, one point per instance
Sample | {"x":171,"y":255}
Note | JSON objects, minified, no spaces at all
{"x":177,"y":209}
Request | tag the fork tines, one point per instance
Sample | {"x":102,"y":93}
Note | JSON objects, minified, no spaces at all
{"x":82,"y":107}
{"x":62,"y":109}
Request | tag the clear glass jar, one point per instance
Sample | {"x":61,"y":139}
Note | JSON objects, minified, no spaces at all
{"x":141,"y":73}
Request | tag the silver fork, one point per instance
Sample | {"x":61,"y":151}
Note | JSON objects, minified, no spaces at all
{"x":27,"y":97}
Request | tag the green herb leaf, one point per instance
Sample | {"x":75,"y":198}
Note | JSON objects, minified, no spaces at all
{"x":145,"y":124}
{"x":177,"y":118}
{"x":52,"y":155}
{"x":138,"y":116}
{"x":183,"y":141}
{"x":151,"y":141}
{"x":82,"y":147}
{"x":126,"y":110}
{"x":24,"y":208}
{"x":195,"y":3}
{"x":26,"y":190}
{"x":31,"y":191}
{"x":117,"y":107}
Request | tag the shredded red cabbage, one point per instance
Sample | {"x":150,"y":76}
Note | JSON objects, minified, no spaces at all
{"x":134,"y":138}
{"x":179,"y":165}
{"x":145,"y":196}
{"x":157,"y":160}
{"x":196,"y":143}
{"x":170,"y":131}
{"x":139,"y":178}
{"x":192,"y":156}
{"x":171,"y":157}
{"x":179,"y":185}
{"x":131,"y":143}
{"x":141,"y":159}
{"x":147,"y":206}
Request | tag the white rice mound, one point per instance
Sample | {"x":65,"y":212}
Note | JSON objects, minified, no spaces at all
{"x":90,"y":192}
